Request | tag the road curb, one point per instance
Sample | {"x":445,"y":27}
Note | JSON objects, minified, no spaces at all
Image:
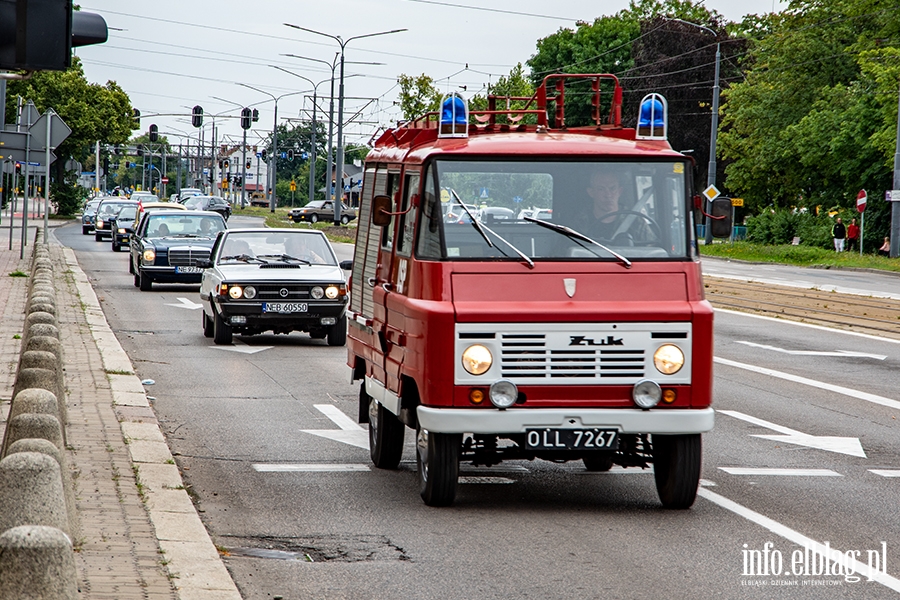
{"x":191,"y":557}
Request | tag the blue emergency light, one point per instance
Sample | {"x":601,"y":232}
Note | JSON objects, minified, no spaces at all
{"x":454,"y":121}
{"x":653,"y":118}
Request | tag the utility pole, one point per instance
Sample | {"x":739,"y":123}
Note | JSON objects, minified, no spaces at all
{"x":895,"y":209}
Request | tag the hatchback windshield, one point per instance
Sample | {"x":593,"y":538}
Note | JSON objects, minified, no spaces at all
{"x":584,"y":210}
{"x":265,"y":247}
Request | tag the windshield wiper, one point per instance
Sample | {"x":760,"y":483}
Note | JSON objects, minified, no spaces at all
{"x":241,"y":257}
{"x":577,"y":236}
{"x":285,"y":258}
{"x":524,"y":256}
{"x":478,"y":226}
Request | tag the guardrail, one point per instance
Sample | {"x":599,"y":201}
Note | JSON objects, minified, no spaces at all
{"x":37,"y":506}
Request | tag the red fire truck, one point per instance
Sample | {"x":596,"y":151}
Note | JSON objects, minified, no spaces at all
{"x":522,"y":289}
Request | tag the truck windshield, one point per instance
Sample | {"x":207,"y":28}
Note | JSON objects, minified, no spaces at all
{"x":638,"y":210}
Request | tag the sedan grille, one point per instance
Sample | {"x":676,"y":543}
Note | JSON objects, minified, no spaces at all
{"x":187,"y":257}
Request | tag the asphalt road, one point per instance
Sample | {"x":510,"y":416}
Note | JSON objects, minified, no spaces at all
{"x":265,"y":434}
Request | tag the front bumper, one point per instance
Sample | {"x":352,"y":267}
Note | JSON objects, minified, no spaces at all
{"x":166,"y":274}
{"x":516,"y":420}
{"x":298,"y":321}
{"x":298,"y":218}
{"x":123,"y":239}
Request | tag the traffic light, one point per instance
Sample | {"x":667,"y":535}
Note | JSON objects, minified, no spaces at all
{"x":220,"y":165}
{"x":18,"y":168}
{"x":106,"y":164}
{"x":136,"y":118}
{"x":38,"y":35}
{"x":140,"y":150}
{"x":246,"y":116}
{"x":154,"y":133}
{"x":255,"y":116}
{"x":290,"y":155}
{"x":225,"y":164}
{"x":249,"y":164}
{"x":197,"y":116}
{"x":264,"y":155}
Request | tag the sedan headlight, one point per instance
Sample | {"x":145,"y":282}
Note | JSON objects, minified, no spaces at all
{"x":235,"y":291}
{"x":477,"y":359}
{"x":121,"y":230}
{"x":149,"y":255}
{"x":317,"y":293}
{"x":332,"y":292}
{"x":668,"y":359}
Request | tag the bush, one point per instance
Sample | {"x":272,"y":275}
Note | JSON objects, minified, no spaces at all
{"x":67,"y":196}
{"x":781,"y":226}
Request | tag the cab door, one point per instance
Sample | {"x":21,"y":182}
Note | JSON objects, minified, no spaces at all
{"x":385,"y":286}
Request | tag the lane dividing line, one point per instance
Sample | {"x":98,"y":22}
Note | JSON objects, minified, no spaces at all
{"x":789,"y":472}
{"x":799,"y":539}
{"x":874,"y":399}
{"x":886,"y":472}
{"x":310,"y":468}
{"x":867,"y":336}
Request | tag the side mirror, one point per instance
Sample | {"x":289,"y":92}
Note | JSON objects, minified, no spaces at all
{"x":720,"y":223}
{"x":381,"y":209}
{"x":347,"y":265}
{"x":204,"y":263}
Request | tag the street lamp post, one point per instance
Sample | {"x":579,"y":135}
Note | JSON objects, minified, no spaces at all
{"x":711,"y":171}
{"x":273,"y":170}
{"x":339,"y":159}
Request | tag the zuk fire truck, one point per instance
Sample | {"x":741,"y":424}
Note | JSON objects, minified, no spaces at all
{"x":525,"y":290}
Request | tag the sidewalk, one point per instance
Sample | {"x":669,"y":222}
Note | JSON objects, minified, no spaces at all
{"x":137,"y":535}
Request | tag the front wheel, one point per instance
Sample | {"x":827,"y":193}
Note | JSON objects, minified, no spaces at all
{"x":676,"y":466}
{"x":314,"y":219}
{"x":98,"y":237}
{"x":115,"y":246}
{"x":385,"y":435}
{"x":437,"y":460}
{"x":345,"y":220}
{"x":337,"y":335}
{"x":144,"y":282}
{"x":221,"y":331}
{"x":85,"y":230}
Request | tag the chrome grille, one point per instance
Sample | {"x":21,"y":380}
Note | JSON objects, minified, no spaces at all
{"x":187,"y":257}
{"x":531,"y":356}
{"x":273,"y":291}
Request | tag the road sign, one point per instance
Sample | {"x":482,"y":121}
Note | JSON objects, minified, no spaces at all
{"x":892,"y":195}
{"x":711,"y":193}
{"x":737,"y":201}
{"x":164,"y":180}
{"x":59,"y":131}
{"x":293,"y":185}
{"x":518,"y":199}
{"x":484,"y":193}
{"x":861,"y":201}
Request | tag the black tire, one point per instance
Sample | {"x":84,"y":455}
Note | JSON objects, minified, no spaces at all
{"x":208,"y":327}
{"x":130,"y":265}
{"x":314,"y":218}
{"x":145,"y":283}
{"x":345,"y":220}
{"x":437,"y":461}
{"x":221,"y":331}
{"x":319,"y":334}
{"x":676,"y":466}
{"x":337,"y":335}
{"x":85,"y":230}
{"x":137,"y":278}
{"x":115,"y":246}
{"x":98,"y":237}
{"x":385,"y":435}
{"x":599,"y":462}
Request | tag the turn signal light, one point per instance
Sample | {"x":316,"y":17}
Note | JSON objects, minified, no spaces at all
{"x":669,"y":396}
{"x":476,"y":396}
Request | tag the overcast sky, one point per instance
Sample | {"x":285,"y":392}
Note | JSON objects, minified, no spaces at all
{"x":170,"y":55}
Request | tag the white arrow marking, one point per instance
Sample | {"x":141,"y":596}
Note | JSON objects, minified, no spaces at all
{"x":886,"y":472}
{"x":243,"y":349}
{"x":350,"y":432}
{"x":841,"y":445}
{"x":844,"y":353}
{"x":185,"y":303}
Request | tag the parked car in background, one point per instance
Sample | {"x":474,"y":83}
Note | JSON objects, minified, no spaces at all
{"x":121,"y":226}
{"x":210,"y":203}
{"x":106,"y":211}
{"x":167,"y":245}
{"x":544,"y":214}
{"x":493,"y":214}
{"x":321,"y":210}
{"x":279,"y":280}
{"x":88,"y":215}
{"x":145,"y":196}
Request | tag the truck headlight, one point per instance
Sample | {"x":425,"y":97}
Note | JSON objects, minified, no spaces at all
{"x":477,"y":359}
{"x":668,"y":359}
{"x":503,"y":393}
{"x":646,"y":393}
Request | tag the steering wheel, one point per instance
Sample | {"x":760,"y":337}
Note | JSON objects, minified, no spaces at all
{"x":619,"y":214}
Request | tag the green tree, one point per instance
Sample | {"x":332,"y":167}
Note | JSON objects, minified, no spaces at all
{"x":418,"y":95}
{"x":94,"y":113}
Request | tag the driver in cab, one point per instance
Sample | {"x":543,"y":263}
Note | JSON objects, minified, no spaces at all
{"x":604,"y":218}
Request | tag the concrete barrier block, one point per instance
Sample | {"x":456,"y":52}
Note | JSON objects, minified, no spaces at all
{"x":37,"y":359}
{"x":30,"y":425}
{"x":41,"y":306}
{"x":40,"y":317}
{"x":37,"y":445}
{"x":42,"y":328}
{"x":44,"y":379}
{"x":42,"y":290}
{"x":34,"y":401}
{"x":44,"y":343}
{"x":37,"y":563}
{"x":31,"y":492}
{"x":43,"y":298}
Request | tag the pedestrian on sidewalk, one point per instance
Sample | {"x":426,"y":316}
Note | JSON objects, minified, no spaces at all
{"x":853,"y":235}
{"x":839,"y":233}
{"x":885,"y":249}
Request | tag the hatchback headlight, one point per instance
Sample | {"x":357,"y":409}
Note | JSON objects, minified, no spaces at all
{"x":668,"y":359}
{"x":477,"y":359}
{"x":149,"y":255}
{"x":249,"y":292}
{"x":317,"y":293}
{"x":235,"y":292}
{"x":332,"y":292}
